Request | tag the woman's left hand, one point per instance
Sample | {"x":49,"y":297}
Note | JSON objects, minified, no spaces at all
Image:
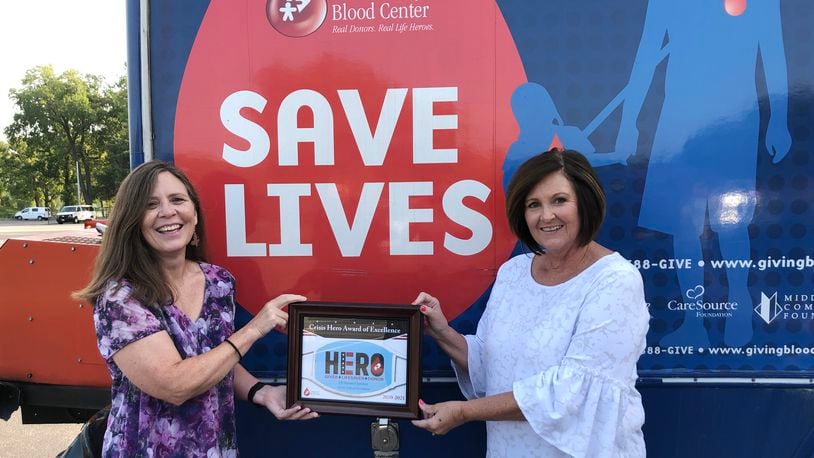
{"x":273,"y":398}
{"x":436,"y":322}
{"x":442,"y":417}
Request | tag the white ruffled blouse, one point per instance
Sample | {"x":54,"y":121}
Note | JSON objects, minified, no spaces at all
{"x":568,"y":354}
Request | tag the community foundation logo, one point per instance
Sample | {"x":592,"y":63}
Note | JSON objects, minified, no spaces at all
{"x":296,"y":18}
{"x":785,"y":307}
{"x":768,"y":309}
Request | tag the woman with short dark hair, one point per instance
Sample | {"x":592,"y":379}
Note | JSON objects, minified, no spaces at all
{"x":165,"y":325}
{"x":552,"y":366}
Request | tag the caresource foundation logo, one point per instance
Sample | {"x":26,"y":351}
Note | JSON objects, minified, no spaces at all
{"x":296,"y":18}
{"x":695,"y":303}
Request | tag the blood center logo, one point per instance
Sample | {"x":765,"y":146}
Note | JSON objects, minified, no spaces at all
{"x":352,"y":167}
{"x":296,"y":18}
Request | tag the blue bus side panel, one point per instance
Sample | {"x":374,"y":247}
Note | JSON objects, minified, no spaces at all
{"x":582,"y":53}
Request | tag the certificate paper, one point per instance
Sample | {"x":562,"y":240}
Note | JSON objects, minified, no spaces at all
{"x":354,"y":359}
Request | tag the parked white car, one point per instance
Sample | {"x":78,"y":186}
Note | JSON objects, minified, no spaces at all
{"x":39,"y":213}
{"x":75,"y":213}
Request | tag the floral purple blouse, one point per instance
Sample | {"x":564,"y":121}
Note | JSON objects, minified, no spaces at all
{"x":143,"y":426}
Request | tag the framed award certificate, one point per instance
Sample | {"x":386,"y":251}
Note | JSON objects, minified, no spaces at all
{"x":358,"y":359}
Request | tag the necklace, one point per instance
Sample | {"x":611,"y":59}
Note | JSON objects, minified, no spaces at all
{"x":553,"y":275}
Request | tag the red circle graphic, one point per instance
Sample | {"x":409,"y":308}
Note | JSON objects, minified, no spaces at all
{"x":296,"y":18}
{"x":358,"y":83}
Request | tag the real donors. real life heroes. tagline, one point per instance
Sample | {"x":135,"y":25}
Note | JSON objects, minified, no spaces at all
{"x":394,"y":27}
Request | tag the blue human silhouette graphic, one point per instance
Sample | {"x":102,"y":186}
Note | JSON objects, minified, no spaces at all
{"x":707,"y":135}
{"x":540,"y":122}
{"x":703,"y":162}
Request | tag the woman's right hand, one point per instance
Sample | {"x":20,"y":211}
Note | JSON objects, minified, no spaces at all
{"x":434,"y":318}
{"x":273,"y":398}
{"x":272,"y":314}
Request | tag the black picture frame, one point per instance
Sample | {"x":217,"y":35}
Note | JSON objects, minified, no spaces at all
{"x":325,"y":376}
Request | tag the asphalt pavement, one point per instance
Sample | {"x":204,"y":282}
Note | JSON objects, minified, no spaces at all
{"x":40,"y":230}
{"x":19,"y":440}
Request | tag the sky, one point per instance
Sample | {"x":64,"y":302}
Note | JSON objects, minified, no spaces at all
{"x":85,"y":35}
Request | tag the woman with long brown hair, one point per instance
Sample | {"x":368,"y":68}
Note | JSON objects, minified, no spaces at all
{"x":164,"y":321}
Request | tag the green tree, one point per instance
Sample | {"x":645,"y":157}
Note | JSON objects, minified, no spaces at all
{"x":29,"y":174}
{"x":23,"y":177}
{"x":8,"y":202}
{"x":112,"y":141}
{"x":68,"y":129}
